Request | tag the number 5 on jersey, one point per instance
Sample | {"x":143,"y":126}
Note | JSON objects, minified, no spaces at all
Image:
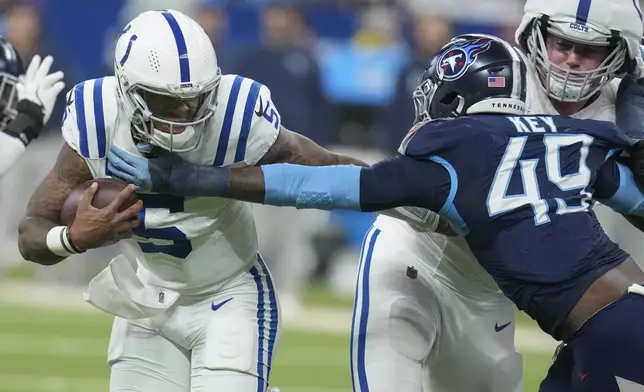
{"x":499,"y":201}
{"x":154,"y":235}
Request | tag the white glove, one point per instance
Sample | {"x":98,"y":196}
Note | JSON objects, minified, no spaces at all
{"x":39,"y":86}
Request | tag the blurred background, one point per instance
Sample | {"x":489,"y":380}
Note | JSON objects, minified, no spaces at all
{"x":341,"y":72}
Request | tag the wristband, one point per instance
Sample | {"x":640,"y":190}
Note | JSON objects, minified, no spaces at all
{"x":59,"y":242}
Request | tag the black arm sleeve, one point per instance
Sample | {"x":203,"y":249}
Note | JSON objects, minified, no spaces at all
{"x":404,"y":181}
{"x":27,"y":124}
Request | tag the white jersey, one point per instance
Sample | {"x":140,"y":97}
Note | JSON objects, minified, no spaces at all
{"x":450,"y":259}
{"x":186,"y":244}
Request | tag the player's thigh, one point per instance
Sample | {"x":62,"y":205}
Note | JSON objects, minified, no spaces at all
{"x":559,"y":376}
{"x":239,"y":341}
{"x":607,"y":350}
{"x":478,"y":340}
{"x":394,"y":319}
{"x":141,"y":360}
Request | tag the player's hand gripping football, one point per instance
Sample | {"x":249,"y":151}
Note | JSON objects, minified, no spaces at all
{"x":39,"y":86}
{"x":95,"y":227}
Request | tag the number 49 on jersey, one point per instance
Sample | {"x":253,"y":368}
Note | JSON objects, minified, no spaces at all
{"x":557,"y":185}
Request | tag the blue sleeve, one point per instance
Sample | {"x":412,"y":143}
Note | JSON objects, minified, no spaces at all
{"x":616,"y":188}
{"x":395,"y":182}
{"x":318,"y":187}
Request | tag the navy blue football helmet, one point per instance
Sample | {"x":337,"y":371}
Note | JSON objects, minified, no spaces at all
{"x":472,"y":73}
{"x":11,"y":67}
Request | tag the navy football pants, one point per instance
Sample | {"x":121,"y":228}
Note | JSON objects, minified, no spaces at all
{"x":605,"y":355}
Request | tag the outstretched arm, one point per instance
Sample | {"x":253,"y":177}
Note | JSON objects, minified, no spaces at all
{"x":291,"y":147}
{"x":398,"y":181}
{"x":170,"y":174}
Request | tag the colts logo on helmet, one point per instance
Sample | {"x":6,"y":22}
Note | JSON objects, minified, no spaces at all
{"x":457,"y":59}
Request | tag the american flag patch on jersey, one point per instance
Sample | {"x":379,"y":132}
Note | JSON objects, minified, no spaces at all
{"x":496,"y":81}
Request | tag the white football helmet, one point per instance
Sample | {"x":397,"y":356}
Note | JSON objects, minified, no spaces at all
{"x":616,"y":24}
{"x":168,"y":78}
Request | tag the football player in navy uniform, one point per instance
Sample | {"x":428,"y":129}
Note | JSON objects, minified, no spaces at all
{"x":518,"y":188}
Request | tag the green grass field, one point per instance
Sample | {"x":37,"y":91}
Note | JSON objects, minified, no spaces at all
{"x":57,"y":350}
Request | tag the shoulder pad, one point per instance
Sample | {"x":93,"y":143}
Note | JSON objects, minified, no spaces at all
{"x":90,"y":116}
{"x":432,"y":137}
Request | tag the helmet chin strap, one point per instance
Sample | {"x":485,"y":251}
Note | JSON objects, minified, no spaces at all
{"x":173,"y":141}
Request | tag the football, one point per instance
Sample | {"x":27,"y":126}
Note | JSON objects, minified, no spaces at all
{"x":108,"y":190}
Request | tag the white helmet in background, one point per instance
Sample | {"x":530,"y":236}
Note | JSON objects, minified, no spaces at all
{"x":615,"y":24}
{"x":168,"y":78}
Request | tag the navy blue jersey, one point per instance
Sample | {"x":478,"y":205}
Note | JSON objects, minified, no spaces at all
{"x":519,"y":189}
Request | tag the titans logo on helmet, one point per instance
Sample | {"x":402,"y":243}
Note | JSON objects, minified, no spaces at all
{"x":455,"y":61}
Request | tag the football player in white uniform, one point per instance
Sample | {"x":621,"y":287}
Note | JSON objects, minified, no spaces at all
{"x":26,"y":99}
{"x":425,"y":311}
{"x":200,"y":313}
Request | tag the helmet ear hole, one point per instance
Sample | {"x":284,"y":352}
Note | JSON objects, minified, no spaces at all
{"x":449,"y":99}
{"x":452,"y":104}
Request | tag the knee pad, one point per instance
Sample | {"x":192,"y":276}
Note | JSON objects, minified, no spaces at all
{"x":412,"y":329}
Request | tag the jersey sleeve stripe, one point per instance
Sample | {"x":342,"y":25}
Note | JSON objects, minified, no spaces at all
{"x":247,"y":121}
{"x":99,"y":117}
{"x":83,"y":144}
{"x":448,"y":210}
{"x":182,"y":48}
{"x":226,"y":127}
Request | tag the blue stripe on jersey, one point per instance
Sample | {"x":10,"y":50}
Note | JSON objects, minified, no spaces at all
{"x":260,"y":328}
{"x":99,"y":119}
{"x":273,"y":325}
{"x":583,"y":8}
{"x":226,"y":127}
{"x":365,"y":265}
{"x":247,"y":120}
{"x":449,"y":210}
{"x":83,"y":144}
{"x":637,"y":8}
{"x":182,"y":49}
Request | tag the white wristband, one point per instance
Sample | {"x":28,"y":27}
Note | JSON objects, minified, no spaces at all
{"x":58,"y":243}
